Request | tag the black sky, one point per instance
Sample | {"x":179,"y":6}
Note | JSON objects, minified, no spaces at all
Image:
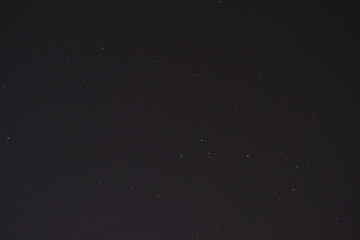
{"x":179,"y":120}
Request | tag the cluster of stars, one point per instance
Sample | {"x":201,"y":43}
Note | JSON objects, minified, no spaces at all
{"x":293,"y":171}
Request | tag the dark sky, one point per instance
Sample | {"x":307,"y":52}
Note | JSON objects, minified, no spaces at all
{"x":179,"y":120}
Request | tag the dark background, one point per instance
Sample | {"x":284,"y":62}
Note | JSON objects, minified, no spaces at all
{"x":179,"y":120}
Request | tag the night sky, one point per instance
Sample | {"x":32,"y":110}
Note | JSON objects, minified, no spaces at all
{"x":179,"y":120}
